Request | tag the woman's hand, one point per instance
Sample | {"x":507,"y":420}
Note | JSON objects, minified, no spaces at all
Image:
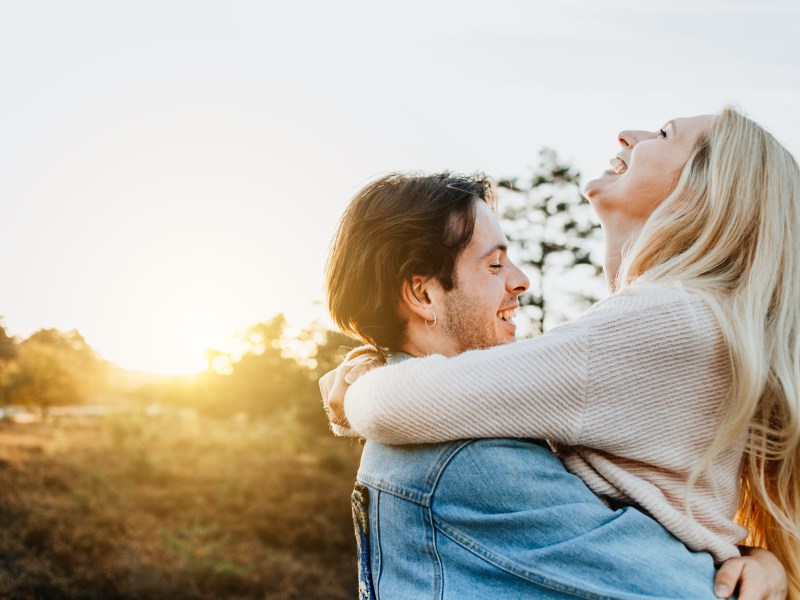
{"x":333,"y":385}
{"x":758,"y":575}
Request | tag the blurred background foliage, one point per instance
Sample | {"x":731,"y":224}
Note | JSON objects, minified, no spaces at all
{"x":268,"y":375}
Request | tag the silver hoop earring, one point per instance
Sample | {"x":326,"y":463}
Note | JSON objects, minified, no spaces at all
{"x":431,"y":325}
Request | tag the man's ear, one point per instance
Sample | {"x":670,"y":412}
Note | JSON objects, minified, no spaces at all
{"x":418,"y":296}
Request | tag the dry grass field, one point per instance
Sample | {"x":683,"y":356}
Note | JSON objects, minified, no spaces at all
{"x":175,"y":506}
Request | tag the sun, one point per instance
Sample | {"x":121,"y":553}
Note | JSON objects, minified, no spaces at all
{"x":163,"y":329}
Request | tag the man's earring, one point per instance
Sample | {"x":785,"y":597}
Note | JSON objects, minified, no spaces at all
{"x":431,"y":325}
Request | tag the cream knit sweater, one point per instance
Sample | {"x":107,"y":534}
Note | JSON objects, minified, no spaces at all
{"x":630,"y":395}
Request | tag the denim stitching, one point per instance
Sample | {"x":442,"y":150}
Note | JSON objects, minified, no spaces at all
{"x":456,"y":450}
{"x":395,"y":490}
{"x":442,"y":461}
{"x":438,"y":578}
{"x":377,"y":550}
{"x":499,"y":562}
{"x":432,"y":480}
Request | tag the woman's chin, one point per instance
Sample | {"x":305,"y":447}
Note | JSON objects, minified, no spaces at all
{"x":592,"y":188}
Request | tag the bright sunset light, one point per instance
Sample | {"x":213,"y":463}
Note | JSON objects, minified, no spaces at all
{"x":166,"y":190}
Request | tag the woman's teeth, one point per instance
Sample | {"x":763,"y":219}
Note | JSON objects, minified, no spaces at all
{"x":507,"y":315}
{"x":618,"y":165}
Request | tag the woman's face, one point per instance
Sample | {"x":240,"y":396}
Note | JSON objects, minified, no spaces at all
{"x":646,"y":169}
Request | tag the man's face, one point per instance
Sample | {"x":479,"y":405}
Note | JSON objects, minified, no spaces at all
{"x":478,"y":311}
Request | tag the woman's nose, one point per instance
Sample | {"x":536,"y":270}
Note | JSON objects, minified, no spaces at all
{"x":629,"y":138}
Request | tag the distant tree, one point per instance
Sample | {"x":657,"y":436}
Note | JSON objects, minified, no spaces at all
{"x":259,"y":377}
{"x":551,"y":230}
{"x":54,"y":368}
{"x":8,"y":345}
{"x":8,"y":352}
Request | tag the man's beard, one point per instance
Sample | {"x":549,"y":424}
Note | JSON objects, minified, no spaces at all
{"x":465,"y":323}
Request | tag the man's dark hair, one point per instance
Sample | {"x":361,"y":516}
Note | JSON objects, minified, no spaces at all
{"x":398,"y":226}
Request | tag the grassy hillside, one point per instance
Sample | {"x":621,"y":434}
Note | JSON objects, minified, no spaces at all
{"x":177,"y":507}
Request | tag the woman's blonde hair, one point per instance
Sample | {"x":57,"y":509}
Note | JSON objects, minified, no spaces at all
{"x":731,"y":231}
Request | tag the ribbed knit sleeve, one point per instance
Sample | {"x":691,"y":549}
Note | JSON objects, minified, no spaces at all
{"x":620,"y":373}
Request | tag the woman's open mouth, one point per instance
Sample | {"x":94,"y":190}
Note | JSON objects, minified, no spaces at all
{"x":619,"y":165}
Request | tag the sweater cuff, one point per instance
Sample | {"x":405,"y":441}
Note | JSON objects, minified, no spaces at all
{"x":340,"y":431}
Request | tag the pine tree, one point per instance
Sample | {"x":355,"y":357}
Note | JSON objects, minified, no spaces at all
{"x":554,"y":238}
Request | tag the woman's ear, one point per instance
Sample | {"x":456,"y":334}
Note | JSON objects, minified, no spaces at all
{"x":417,"y":296}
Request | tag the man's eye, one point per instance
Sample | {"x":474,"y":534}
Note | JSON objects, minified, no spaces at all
{"x":662,"y":133}
{"x":496,"y":266}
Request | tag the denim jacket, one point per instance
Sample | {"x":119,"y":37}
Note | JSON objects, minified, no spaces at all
{"x":502,"y":518}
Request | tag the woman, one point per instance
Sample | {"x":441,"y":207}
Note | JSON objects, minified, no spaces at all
{"x":686,"y":382}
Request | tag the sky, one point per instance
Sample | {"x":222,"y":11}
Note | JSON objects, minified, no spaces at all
{"x":172,"y":172}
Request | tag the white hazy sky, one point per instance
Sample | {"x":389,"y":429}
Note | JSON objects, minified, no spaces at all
{"x":171,"y":172}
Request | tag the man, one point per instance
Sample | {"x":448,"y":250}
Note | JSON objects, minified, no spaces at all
{"x":418,"y":266}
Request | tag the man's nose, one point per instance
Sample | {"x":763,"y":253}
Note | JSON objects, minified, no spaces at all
{"x":517,"y":281}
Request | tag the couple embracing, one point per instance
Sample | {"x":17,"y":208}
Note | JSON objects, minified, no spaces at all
{"x":624,"y":455}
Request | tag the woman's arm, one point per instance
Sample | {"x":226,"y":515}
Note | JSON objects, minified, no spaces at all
{"x":631,"y":359}
{"x":475,"y":394}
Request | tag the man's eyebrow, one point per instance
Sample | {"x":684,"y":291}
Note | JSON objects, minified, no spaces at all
{"x":493,"y":249}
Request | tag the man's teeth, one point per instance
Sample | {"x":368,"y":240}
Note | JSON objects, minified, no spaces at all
{"x":507,"y":315}
{"x":618,"y":165}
